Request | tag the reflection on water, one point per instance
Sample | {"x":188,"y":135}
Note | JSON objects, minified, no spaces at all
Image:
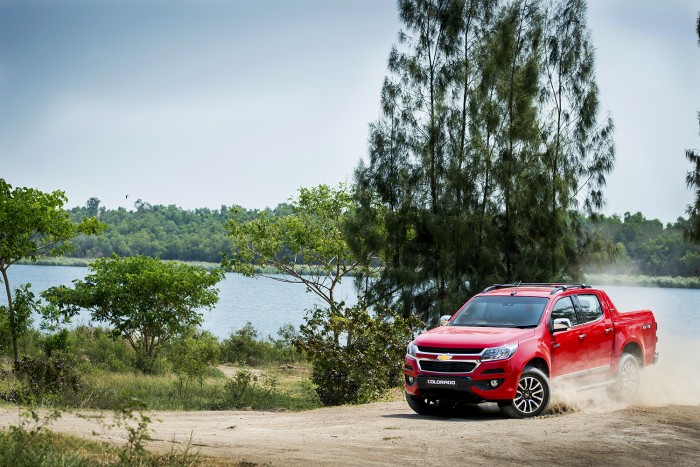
{"x":268,"y":304}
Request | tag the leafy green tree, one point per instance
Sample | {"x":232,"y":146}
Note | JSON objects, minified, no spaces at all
{"x":307,"y":247}
{"x":144,"y":300}
{"x":33,"y":224}
{"x":692,"y":180}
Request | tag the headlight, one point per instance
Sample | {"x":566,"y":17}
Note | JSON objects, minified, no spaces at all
{"x":499,"y":353}
{"x":412,"y":349}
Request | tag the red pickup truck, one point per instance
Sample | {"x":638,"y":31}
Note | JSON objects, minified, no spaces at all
{"x":507,"y":343}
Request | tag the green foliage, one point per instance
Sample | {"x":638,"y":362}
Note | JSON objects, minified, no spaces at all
{"x":59,"y":341}
{"x":166,"y":232}
{"x":312,"y":235}
{"x":261,"y":392}
{"x":488,"y":144}
{"x":244,"y":347}
{"x":144,"y":300}
{"x":97,"y":347}
{"x":646,"y":246}
{"x":191,"y":356}
{"x":33,"y":225}
{"x":357,"y":356}
{"x":42,"y":379}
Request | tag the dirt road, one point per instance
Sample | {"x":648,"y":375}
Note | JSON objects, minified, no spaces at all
{"x":390,"y":434}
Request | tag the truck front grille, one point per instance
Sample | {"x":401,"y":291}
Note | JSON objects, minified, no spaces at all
{"x":473,"y":351}
{"x":447,"y":367}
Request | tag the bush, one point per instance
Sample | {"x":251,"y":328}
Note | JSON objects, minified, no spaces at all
{"x":191,"y":356}
{"x":244,"y":347}
{"x":39,"y":378}
{"x":57,"y":341}
{"x":97,"y":346}
{"x":357,"y":356}
{"x":261,"y":392}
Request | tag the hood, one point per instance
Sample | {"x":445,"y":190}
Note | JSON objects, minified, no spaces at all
{"x":467,"y":337}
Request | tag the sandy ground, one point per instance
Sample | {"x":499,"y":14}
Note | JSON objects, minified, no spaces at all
{"x":391,"y":434}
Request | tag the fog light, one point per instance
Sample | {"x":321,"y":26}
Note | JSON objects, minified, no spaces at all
{"x":493,"y":383}
{"x":410,"y":380}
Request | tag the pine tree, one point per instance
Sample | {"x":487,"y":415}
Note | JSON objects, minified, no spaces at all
{"x":488,"y":140}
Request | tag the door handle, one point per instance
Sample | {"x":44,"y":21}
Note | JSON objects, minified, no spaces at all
{"x":608,"y":330}
{"x":581,"y":337}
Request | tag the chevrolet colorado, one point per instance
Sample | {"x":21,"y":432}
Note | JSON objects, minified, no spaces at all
{"x":507,"y":343}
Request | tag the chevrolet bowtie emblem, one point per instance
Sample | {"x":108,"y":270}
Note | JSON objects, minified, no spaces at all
{"x":444,"y":357}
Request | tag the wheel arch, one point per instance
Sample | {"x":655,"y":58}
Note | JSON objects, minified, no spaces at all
{"x":539,"y":363}
{"x":635,"y":349}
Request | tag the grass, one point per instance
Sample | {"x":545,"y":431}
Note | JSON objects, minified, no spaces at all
{"x":267,"y":389}
{"x":26,"y":445}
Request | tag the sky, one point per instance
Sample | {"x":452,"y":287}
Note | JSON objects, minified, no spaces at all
{"x":204,"y":103}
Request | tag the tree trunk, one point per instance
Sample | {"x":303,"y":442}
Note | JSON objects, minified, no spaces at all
{"x":11,"y":316}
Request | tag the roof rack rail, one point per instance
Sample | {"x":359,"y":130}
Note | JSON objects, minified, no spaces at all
{"x":556,"y":287}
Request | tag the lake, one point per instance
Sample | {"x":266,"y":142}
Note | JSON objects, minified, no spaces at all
{"x":269,"y":304}
{"x":266,"y":303}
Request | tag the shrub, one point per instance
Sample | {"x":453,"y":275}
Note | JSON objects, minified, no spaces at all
{"x":39,"y":378}
{"x":57,"y":341}
{"x":356,"y":355}
{"x":191,"y":356}
{"x":244,"y":347}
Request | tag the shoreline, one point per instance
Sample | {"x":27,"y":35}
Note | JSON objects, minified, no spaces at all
{"x":665,"y":282}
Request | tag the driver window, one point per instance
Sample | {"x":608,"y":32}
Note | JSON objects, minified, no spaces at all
{"x":564,"y":308}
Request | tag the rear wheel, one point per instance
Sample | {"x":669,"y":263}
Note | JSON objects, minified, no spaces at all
{"x":531,"y":397}
{"x":626,"y":383}
{"x":425,"y":406}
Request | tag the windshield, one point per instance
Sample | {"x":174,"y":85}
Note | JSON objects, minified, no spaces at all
{"x":501,"y":312}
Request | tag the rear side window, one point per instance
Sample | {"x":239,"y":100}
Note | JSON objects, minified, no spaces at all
{"x":564,"y":308}
{"x":590,"y":308}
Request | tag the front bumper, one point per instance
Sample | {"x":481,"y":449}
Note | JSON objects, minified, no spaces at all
{"x":488,"y":381}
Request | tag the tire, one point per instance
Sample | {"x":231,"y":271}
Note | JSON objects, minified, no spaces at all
{"x":532,"y":395}
{"x":423,"y":406}
{"x":626,"y":385}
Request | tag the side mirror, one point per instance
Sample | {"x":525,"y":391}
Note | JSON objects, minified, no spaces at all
{"x":444,"y":319}
{"x":561,"y":324}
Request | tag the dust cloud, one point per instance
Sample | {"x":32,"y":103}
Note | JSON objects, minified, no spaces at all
{"x":674,"y":380}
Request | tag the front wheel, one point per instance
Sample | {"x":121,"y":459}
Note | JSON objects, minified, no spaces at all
{"x":424,"y":406}
{"x":626,"y":384}
{"x":531,"y":397}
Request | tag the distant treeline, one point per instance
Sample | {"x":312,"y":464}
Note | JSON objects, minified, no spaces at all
{"x":165,"y":232}
{"x":643,"y":246}
{"x":647,"y":246}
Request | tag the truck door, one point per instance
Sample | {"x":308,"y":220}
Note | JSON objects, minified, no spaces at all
{"x":597,"y":331}
{"x":568,"y":350}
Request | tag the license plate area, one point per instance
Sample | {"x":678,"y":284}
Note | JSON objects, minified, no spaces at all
{"x":441,"y":382}
{"x":448,"y":383}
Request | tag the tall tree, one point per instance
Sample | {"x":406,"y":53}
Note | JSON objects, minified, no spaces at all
{"x":489,"y":138}
{"x":692,"y":180}
{"x":579,"y":150}
{"x":34,"y":224}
